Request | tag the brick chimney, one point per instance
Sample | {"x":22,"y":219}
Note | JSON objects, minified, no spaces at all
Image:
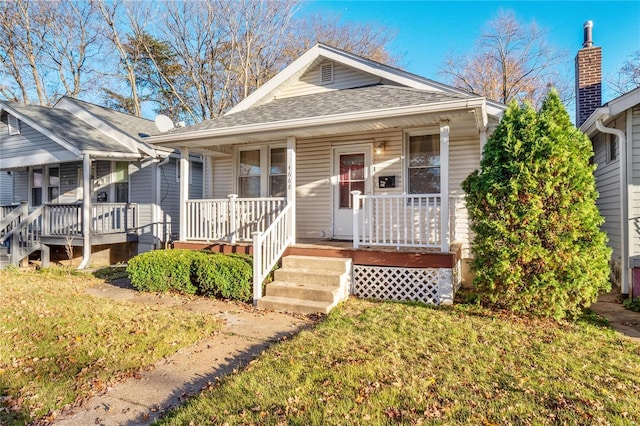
{"x":588,"y":77}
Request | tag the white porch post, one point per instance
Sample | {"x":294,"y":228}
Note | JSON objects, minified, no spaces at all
{"x":184,"y":192}
{"x":86,"y":211}
{"x":483,"y":140}
{"x":291,"y":184}
{"x":356,"y":214}
{"x":444,"y":186}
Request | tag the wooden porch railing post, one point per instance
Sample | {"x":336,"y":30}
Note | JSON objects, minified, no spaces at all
{"x":232,"y":218}
{"x":46,"y":210}
{"x":356,"y":211}
{"x":257,"y":268}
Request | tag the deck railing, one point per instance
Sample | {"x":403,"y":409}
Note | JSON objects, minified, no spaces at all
{"x":232,"y":219}
{"x":6,"y":209}
{"x":404,"y":220}
{"x":24,"y":232}
{"x":106,"y":218}
{"x":268,"y":247}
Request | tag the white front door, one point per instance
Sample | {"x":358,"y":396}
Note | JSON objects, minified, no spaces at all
{"x":351,"y":172}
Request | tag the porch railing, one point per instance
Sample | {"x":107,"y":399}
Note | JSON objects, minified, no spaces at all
{"x":23,"y":232}
{"x":233,"y":219}
{"x":405,"y":220}
{"x":268,"y":247}
{"x":106,"y":218}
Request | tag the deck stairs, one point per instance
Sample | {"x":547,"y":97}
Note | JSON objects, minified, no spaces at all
{"x":308,"y":284}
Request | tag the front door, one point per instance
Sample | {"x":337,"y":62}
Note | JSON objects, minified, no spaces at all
{"x":351,"y":172}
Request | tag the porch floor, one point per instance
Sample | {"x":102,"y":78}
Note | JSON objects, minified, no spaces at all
{"x":407,"y":257}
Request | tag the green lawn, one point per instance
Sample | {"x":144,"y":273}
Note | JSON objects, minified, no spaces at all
{"x":58,"y":345}
{"x":385,"y":363}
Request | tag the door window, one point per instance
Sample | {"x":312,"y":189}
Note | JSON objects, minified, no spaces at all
{"x":351,"y":178}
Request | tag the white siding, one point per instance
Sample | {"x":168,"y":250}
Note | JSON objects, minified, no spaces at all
{"x":222,"y":177}
{"x":608,"y":186}
{"x":314,"y":199}
{"x":344,"y":77}
{"x":634,"y":203}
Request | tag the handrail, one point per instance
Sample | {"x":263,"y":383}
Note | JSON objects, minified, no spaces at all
{"x":268,"y":247}
{"x":13,"y":217}
{"x":25,"y":236}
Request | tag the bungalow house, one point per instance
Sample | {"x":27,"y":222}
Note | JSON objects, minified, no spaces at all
{"x":346,"y":167}
{"x":80,"y":175}
{"x":614,"y":129}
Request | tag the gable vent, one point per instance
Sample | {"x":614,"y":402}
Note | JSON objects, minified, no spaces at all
{"x":326,"y":73}
{"x":14,"y":125}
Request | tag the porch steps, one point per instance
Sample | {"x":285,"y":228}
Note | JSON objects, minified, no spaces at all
{"x":308,"y":284}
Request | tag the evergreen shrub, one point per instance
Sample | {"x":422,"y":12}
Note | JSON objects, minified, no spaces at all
{"x":193,"y":272}
{"x":163,"y":270}
{"x":538,"y":247}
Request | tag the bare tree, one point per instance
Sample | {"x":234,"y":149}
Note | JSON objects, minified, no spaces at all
{"x":510,"y":61}
{"x":44,"y":48}
{"x":628,"y":78}
{"x":368,"y":39}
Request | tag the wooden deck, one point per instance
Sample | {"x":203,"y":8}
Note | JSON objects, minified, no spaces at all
{"x":378,"y":256}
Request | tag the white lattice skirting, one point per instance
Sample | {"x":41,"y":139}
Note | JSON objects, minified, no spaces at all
{"x":428,"y":285}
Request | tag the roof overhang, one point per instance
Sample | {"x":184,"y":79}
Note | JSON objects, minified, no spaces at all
{"x":328,"y":124}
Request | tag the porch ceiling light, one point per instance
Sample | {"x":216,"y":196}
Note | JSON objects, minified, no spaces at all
{"x":379,"y":145}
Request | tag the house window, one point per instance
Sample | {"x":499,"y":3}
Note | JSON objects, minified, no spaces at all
{"x":121,"y":181}
{"x":611,"y":145}
{"x":250,"y":174}
{"x":53,"y":184}
{"x":278,"y":172}
{"x":423,"y":174}
{"x":262,"y":172}
{"x":14,"y":125}
{"x":190,"y":171}
{"x":36,"y":187}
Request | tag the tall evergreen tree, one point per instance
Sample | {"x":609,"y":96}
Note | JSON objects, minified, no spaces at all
{"x":538,"y":247}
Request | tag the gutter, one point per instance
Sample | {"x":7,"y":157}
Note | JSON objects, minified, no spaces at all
{"x":624,"y":198}
{"x":298,"y":123}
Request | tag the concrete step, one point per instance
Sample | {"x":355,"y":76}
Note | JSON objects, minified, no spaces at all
{"x":289,"y":304}
{"x":310,"y":276}
{"x":315,"y":292}
{"x":317,"y":263}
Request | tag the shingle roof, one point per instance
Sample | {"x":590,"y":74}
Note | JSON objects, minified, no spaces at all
{"x":136,"y":127}
{"x":68,"y":127}
{"x":335,"y":102}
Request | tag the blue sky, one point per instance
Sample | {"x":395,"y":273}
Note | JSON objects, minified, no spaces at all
{"x":429,"y":30}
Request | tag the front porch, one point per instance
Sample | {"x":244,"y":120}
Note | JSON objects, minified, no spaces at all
{"x":401,"y":247}
{"x":24,"y":231}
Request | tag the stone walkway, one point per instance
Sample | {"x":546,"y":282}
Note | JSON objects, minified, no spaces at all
{"x":623,"y":320}
{"x":143,"y":398}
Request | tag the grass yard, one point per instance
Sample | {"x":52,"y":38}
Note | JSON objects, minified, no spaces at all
{"x":385,"y":363}
{"x":58,"y":345}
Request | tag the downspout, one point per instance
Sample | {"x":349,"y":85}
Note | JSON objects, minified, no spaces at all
{"x":624,"y":202}
{"x":157,"y":208}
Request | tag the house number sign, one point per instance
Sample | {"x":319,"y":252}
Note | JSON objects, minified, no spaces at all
{"x":289,"y":177}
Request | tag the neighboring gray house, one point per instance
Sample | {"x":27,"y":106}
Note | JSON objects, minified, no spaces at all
{"x":57,"y":155}
{"x":614,"y":129}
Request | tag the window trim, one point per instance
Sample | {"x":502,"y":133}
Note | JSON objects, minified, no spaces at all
{"x":611,"y":147}
{"x":265,"y":158}
{"x":14,"y":125}
{"x":405,"y":148}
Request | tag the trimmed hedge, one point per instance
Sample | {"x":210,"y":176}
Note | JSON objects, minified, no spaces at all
{"x":193,"y":272}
